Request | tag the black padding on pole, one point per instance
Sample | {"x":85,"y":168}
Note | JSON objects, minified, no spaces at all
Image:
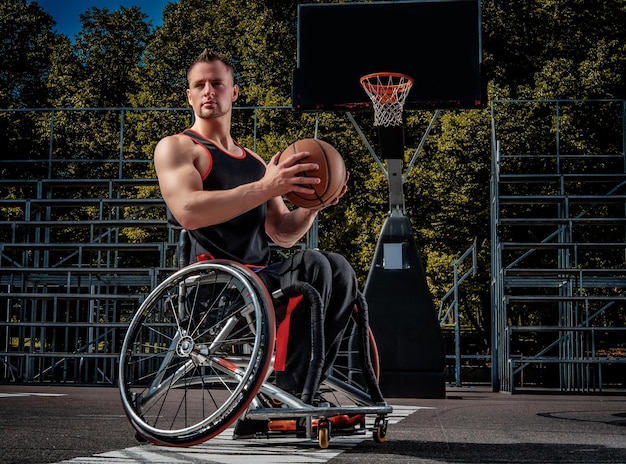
{"x":403,"y":317}
{"x":391,"y":142}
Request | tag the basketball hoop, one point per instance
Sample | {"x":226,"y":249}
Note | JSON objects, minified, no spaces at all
{"x":388,"y":92}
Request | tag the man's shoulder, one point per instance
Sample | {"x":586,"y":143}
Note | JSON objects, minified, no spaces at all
{"x":174,"y":146}
{"x":175,"y":141}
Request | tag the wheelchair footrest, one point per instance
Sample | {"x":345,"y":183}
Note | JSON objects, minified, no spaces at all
{"x":317,"y":412}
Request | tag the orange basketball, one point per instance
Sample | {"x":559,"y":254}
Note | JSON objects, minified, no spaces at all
{"x":332,"y":173}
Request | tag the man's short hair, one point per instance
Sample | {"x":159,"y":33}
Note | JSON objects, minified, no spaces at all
{"x":209,"y":56}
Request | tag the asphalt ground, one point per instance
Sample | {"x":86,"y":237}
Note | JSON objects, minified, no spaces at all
{"x":49,"y":424}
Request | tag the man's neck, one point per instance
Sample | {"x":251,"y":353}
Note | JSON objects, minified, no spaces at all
{"x":216,"y":131}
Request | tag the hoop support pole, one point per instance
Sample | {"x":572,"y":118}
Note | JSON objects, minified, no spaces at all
{"x":391,"y":140}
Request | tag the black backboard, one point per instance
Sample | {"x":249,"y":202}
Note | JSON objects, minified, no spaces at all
{"x":438,"y":43}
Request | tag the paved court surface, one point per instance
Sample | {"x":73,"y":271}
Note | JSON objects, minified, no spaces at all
{"x":46,"y":424}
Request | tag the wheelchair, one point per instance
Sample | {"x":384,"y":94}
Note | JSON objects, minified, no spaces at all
{"x":199,"y":355}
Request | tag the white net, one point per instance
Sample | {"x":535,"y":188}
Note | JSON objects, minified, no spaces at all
{"x":388,"y":92}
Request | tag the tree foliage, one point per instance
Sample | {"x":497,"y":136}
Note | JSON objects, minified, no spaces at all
{"x":546,"y":49}
{"x":25,"y":30}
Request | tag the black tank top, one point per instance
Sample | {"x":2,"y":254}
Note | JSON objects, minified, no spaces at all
{"x":243,"y":238}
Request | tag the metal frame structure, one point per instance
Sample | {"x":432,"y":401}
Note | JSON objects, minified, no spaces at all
{"x":449,"y":307}
{"x":558,"y":247}
{"x":66,"y":304}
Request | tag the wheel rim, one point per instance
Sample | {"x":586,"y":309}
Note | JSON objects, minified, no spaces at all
{"x":188,"y":367}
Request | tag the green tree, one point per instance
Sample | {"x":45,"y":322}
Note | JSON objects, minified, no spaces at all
{"x":555,"y":48}
{"x":95,"y":72}
{"x":109,"y":47}
{"x":25,"y":35}
{"x":26,"y":32}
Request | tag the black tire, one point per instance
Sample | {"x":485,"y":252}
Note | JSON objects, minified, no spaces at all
{"x":196,"y":353}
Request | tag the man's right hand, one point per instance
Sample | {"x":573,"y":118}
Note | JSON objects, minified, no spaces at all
{"x":285,"y":174}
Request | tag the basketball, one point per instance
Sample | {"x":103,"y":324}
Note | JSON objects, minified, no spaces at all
{"x":332,"y":173}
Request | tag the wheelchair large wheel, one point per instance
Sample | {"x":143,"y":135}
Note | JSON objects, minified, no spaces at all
{"x":348,"y":366}
{"x":196,"y":353}
{"x":356,"y":369}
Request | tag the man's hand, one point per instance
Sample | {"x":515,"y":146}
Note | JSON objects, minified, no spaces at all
{"x":283,"y":174}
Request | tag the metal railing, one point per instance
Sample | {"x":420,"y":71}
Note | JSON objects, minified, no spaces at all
{"x":449,"y":307}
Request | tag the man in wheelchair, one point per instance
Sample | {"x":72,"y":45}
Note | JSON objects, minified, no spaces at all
{"x":230,"y":202}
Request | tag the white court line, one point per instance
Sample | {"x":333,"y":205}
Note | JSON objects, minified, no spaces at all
{"x":15,"y":395}
{"x":224,"y":450}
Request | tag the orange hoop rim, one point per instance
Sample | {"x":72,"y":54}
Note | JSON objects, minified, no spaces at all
{"x":386,"y":89}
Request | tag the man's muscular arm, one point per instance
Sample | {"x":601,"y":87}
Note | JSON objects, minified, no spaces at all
{"x":177,"y":159}
{"x":286,"y":227}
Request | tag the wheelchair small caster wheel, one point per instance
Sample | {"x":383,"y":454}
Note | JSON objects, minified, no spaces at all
{"x":323,"y":433}
{"x":380,"y":431}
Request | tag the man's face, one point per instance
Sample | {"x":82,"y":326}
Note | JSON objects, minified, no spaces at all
{"x":211,"y":91}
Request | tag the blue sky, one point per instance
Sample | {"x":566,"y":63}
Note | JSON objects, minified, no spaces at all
{"x":66,"y":12}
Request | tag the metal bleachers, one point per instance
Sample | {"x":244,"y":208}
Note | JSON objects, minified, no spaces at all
{"x":77,"y":256}
{"x":559,"y":253}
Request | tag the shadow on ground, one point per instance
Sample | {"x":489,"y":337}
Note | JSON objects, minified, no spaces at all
{"x":441,"y":452}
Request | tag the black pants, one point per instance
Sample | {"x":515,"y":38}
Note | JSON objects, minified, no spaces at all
{"x":335,"y":280}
